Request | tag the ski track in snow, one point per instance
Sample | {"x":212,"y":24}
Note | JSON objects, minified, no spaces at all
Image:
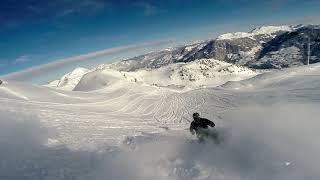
{"x":135,"y":118}
{"x":107,"y":120}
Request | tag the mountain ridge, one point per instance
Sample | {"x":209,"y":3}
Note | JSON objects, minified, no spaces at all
{"x":236,"y":50}
{"x":266,"y":47}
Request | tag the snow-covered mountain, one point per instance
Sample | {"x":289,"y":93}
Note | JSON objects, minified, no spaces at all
{"x":271,"y":31}
{"x":265,"y":47}
{"x":203,"y":64}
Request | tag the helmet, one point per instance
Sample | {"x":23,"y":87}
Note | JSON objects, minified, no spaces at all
{"x":195,"y":114}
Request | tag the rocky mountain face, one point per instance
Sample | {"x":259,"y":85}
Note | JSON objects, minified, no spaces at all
{"x":266,"y":47}
{"x":290,"y":48}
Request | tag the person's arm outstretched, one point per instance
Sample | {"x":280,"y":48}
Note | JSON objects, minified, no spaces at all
{"x":210,"y":123}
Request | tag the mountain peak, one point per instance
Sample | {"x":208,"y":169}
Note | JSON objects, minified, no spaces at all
{"x":271,"y":29}
{"x":256,"y":31}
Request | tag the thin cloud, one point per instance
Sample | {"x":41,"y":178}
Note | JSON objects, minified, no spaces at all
{"x":84,"y":6}
{"x":41,"y":69}
{"x":15,"y":13}
{"x":270,"y":4}
{"x":148,"y":8}
{"x":304,"y":20}
{"x":22,"y":59}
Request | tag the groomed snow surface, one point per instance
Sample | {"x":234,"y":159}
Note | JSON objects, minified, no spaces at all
{"x":109,"y":128}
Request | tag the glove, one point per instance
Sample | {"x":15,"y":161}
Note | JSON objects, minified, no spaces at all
{"x":212,"y":124}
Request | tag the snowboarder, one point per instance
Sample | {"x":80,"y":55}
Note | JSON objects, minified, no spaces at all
{"x":200,"y":127}
{"x":0,"y":82}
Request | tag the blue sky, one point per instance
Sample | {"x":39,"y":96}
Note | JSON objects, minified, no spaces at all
{"x":35,"y":32}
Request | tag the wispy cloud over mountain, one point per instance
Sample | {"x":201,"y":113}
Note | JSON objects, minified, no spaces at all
{"x":56,"y":29}
{"x":148,"y":8}
{"x":84,"y":6}
{"x":47,"y":68}
{"x":22,"y":59}
{"x":19,"y":11}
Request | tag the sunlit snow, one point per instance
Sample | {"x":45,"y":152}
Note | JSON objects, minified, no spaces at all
{"x":112,"y":128}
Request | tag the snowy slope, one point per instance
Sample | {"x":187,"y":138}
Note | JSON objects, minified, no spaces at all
{"x":134,"y":131}
{"x":199,"y":73}
{"x":69,"y":80}
{"x":183,"y":76}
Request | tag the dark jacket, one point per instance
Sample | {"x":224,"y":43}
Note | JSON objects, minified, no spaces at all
{"x":200,"y":123}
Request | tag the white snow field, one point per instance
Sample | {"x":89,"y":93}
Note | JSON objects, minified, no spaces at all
{"x":113,"y":129}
